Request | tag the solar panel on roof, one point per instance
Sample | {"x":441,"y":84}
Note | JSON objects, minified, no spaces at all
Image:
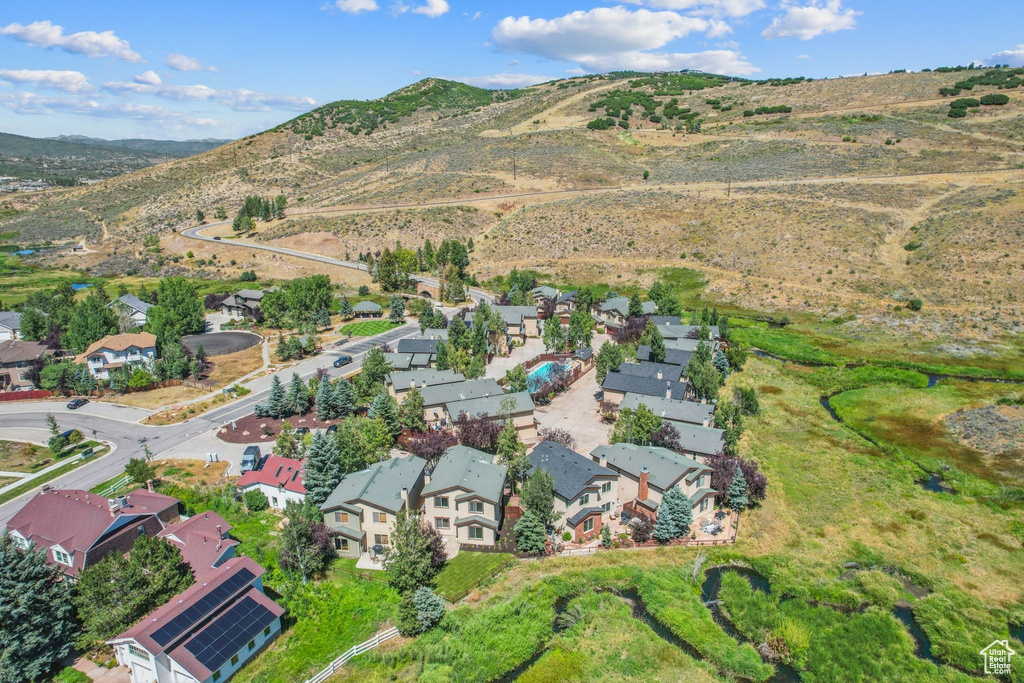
{"x":206,"y":604}
{"x":227,"y":634}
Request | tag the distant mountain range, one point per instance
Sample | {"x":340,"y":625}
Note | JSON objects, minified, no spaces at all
{"x":171,"y":148}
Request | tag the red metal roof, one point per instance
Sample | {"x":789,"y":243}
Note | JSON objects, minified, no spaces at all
{"x":202,"y":541}
{"x":277,"y":472}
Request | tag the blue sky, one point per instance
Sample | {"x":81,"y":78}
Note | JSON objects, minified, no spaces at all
{"x":227,"y":68}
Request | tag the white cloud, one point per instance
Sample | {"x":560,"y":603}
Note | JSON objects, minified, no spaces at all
{"x":356,"y":6}
{"x":69,"y":81}
{"x":33,"y":105}
{"x":180,"y":62}
{"x":731,"y":8}
{"x":88,"y":43}
{"x":239,"y":99}
{"x":610,"y":38}
{"x":474,"y":16}
{"x":506,"y":80}
{"x":803,"y":56}
{"x":1011,"y":57}
{"x":513,"y":62}
{"x":576,"y":71}
{"x":431,"y":8}
{"x":820,"y":16}
{"x":148,"y":77}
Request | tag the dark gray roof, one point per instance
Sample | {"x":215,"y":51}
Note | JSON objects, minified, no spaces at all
{"x":468,"y":469}
{"x":666,"y":320}
{"x":514,"y":315}
{"x":379,"y":485}
{"x":434,"y":333}
{"x":570,"y":471}
{"x":399,"y":361}
{"x":545,"y":292}
{"x":620,"y":305}
{"x":684,"y":331}
{"x":417,"y":345}
{"x":460,"y":391}
{"x":490,"y":405}
{"x":618,"y":381}
{"x":700,"y":440}
{"x":582,"y":514}
{"x":676,"y":411}
{"x":10,"y":319}
{"x":584,"y":353}
{"x":366,"y":307}
{"x":425,"y":377}
{"x":568,"y":296}
{"x":134,"y":302}
{"x":665,"y":467}
{"x":652,"y":370}
{"x":672,"y":356}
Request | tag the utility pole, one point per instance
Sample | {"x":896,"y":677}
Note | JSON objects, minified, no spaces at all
{"x":513,"y":159}
{"x":728,"y":189}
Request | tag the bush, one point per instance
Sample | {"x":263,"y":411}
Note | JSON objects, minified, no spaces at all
{"x":915,"y":304}
{"x":566,"y":535}
{"x":364,"y":290}
{"x":748,"y":112}
{"x":601,"y":124}
{"x":255,"y":500}
{"x":957,"y":113}
{"x":966,"y":103}
{"x":995,"y":99}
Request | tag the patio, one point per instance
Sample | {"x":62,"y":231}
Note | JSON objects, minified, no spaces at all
{"x":726,"y":519}
{"x":366,"y":560}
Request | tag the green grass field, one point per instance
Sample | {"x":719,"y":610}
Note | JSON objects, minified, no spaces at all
{"x":367,"y":328}
{"x":466,"y":571}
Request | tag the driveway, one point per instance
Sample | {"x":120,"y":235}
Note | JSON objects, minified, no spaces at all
{"x":499,"y":365}
{"x":576,"y":412}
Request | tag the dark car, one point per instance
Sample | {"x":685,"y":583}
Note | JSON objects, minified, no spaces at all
{"x":77,"y":403}
{"x":250,"y":459}
{"x":332,"y":429}
{"x":342,"y":360}
{"x":217,"y":238}
{"x":302,"y":431}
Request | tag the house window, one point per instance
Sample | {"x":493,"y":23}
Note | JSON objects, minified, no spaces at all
{"x":588,"y":525}
{"x":585,"y":499}
{"x":440,"y":501}
{"x":606,"y":507}
{"x":380,"y":539}
{"x":476,"y":506}
{"x":136,"y":651}
{"x":216,"y":675}
{"x":340,"y":543}
{"x":380,"y":517}
{"x":341,"y":517}
{"x":606,"y":487}
{"x":476,"y":533}
{"x":442,"y":523}
{"x":252,"y":644}
{"x":266,"y":631}
{"x":700,"y":481}
{"x":704,"y":505}
{"x":61,"y":557}
{"x":234,"y":659}
{"x":273,"y":501}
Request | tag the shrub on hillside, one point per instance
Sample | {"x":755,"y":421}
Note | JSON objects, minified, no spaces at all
{"x":601,"y":124}
{"x":995,"y":99}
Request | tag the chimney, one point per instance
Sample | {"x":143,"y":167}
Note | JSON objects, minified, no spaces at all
{"x":642,"y":491}
{"x":149,"y":485}
{"x":426,"y":477}
{"x":114,"y":509}
{"x":220,"y":534}
{"x":603,"y":461}
{"x":660,"y":374}
{"x":668,"y":390}
{"x":405,"y":495}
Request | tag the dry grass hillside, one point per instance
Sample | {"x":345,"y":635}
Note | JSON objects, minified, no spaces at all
{"x":864,"y":196}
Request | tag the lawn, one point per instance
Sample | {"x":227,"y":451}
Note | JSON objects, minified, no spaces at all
{"x":467,"y":570}
{"x":16,"y":456}
{"x":367,"y":328}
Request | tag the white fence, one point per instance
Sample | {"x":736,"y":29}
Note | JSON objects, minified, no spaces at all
{"x":357,"y":650}
{"x":123,"y":481}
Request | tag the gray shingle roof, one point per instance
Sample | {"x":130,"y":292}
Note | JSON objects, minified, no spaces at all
{"x":700,"y":440}
{"x":544,"y":291}
{"x":425,"y":377}
{"x":676,"y":411}
{"x":684,"y":331}
{"x":490,"y":405}
{"x":514,"y":315}
{"x":434,"y":333}
{"x":449,"y":393}
{"x":366,"y":307}
{"x":665,"y":467}
{"x":135,"y":302}
{"x":476,"y":519}
{"x":570,"y":471}
{"x":672,"y":356}
{"x":618,"y":381}
{"x":652,"y":370}
{"x":470,"y":470}
{"x":10,"y":319}
{"x":399,"y":361}
{"x":582,"y":514}
{"x":417,"y":345}
{"x":568,"y":296}
{"x":666,"y":320}
{"x":379,"y":485}
{"x":620,"y":305}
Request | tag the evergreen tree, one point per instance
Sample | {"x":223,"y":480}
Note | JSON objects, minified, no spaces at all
{"x":656,"y":292}
{"x":385,"y":408}
{"x":297,"y":400}
{"x":478,"y":341}
{"x":397,"y":305}
{"x":38,"y":624}
{"x":345,"y":308}
{"x":429,"y":608}
{"x":511,"y":452}
{"x":721,"y":363}
{"x":375,"y":368}
{"x":666,"y":526}
{"x":682,"y":510}
{"x":277,"y":401}
{"x":538,"y":497}
{"x":322,"y":318}
{"x":441,"y":359}
{"x":321,"y":470}
{"x":737,"y":493}
{"x":531,"y":535}
{"x":636,"y":306}
{"x":410,"y":413}
{"x":457,"y":334}
{"x":326,"y":406}
{"x":657,"y":343}
{"x":344,"y":398}
{"x":416,"y":553}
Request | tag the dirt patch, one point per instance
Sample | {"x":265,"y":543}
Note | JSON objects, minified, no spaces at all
{"x":251,"y":428}
{"x":992,"y":429}
{"x":192,"y":472}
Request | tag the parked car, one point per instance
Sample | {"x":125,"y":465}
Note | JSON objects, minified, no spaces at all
{"x":76,"y":403}
{"x":217,"y":237}
{"x":251,"y":459}
{"x":302,"y":431}
{"x":332,"y":429}
{"x":342,"y":360}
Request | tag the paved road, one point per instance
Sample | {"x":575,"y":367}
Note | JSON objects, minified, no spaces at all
{"x":197,"y":234}
{"x":130,"y":435}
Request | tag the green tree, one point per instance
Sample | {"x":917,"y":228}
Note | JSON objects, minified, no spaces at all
{"x":581,"y":329}
{"x":682,"y":511}
{"x":666,"y":526}
{"x":375,"y":439}
{"x":429,"y":608}
{"x":635,"y":426}
{"x":255,"y":500}
{"x":57,"y":441}
{"x":345,"y":308}
{"x":397,"y":310}
{"x":516,"y":379}
{"x":322,"y":318}
{"x":556,"y":338}
{"x":280,"y":204}
{"x":326,"y":407}
{"x":416,"y":553}
{"x":410,"y":413}
{"x":511,"y":452}
{"x":441,"y":359}
{"x":352,"y":455}
{"x":38,"y":625}
{"x":606,"y":536}
{"x":656,"y":292}
{"x":179,"y":313}
{"x":200,"y":216}
{"x":344,"y":398}
{"x":476,"y":368}
{"x":287,"y":444}
{"x":385,"y":408}
{"x":306,"y":546}
{"x":737,"y":493}
{"x":34,"y":324}
{"x":538,"y":497}
{"x":140,"y":470}
{"x":704,"y":378}
{"x":656,"y":342}
{"x":531,"y":535}
{"x":321,"y":470}
{"x":609,"y":357}
{"x":636,"y":306}
{"x":90,"y":321}
{"x":457,"y":338}
{"x":297,"y":399}
{"x":375,"y":368}
{"x":393,"y":268}
{"x":277,"y":401}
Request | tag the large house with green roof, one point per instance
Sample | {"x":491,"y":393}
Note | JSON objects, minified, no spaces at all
{"x":646,"y":473}
{"x":463,"y":498}
{"x":360,"y":512}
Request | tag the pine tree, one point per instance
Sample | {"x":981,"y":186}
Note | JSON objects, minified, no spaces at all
{"x":666,"y":526}
{"x":345,"y":308}
{"x":429,"y":608}
{"x":636,"y":306}
{"x":321,"y":470}
{"x":397,"y":306}
{"x":737,"y":493}
{"x":511,"y":452}
{"x":38,"y":625}
{"x":657,"y":344}
{"x":682,"y":511}
{"x":441,"y":360}
{"x":322,"y":318}
{"x":531,"y":536}
{"x":277,"y":402}
{"x":385,"y":408}
{"x":721,"y":363}
{"x":326,"y":408}
{"x":344,"y":398}
{"x":457,"y":334}
{"x":410,"y":413}
{"x":297,"y":400}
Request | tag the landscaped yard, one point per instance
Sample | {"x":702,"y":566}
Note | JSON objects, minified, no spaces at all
{"x":16,"y":456}
{"x":467,"y":570}
{"x":367,"y":328}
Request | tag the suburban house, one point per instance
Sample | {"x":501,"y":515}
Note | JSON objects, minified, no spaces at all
{"x":700,"y":442}
{"x":435,"y":398}
{"x":440,"y":334}
{"x":10,"y":325}
{"x":280,"y":480}
{"x":203,"y":542}
{"x":366,"y":309}
{"x":673,"y":356}
{"x":652,"y":370}
{"x":521,"y":410}
{"x":544,"y":292}
{"x":16,"y":357}
{"x":360,"y":512}
{"x":463,"y":498}
{"x":647,"y":473}
{"x":615,"y":312}
{"x":117,"y":350}
{"x":77,"y":529}
{"x":617,"y":384}
{"x":584,"y":490}
{"x":401,"y":383}
{"x":565,"y":304}
{"x":673,"y":330}
{"x":205,"y":633}
{"x":408,"y":361}
{"x":677,"y":412}
{"x":135,"y":307}
{"x":424,"y":351}
{"x":244,"y":303}
{"x":520,"y":321}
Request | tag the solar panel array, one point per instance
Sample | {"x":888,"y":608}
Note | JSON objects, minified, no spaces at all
{"x":229,"y":633}
{"x":206,"y":604}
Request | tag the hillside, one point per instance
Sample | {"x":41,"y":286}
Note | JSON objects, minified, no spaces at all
{"x":170,"y":148}
{"x":836,"y":197}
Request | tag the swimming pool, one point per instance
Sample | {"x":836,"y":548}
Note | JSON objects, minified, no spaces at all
{"x":542,"y":373}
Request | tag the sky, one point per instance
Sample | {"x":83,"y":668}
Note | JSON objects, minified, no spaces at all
{"x":226,"y":68}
